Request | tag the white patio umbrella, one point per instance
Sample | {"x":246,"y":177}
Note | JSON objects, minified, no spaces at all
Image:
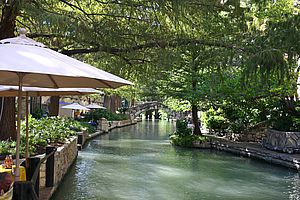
{"x":75,"y":106}
{"x":11,"y":91}
{"x":95,"y":106}
{"x":25,"y":62}
{"x":35,"y":65}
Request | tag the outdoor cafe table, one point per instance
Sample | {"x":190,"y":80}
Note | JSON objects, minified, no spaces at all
{"x":22,"y":172}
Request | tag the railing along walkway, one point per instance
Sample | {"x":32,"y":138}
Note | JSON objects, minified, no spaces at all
{"x":30,"y":190}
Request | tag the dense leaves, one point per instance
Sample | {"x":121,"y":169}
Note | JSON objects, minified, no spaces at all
{"x":238,"y":57}
{"x":43,"y":132}
{"x":95,"y":115}
{"x":183,"y":135}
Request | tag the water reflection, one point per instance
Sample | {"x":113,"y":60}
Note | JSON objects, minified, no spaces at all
{"x":137,"y":162}
{"x":293,"y":181}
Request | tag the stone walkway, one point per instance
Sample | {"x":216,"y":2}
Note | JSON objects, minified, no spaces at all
{"x":255,"y":150}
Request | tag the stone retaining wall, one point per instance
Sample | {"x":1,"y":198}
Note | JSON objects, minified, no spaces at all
{"x":251,"y":150}
{"x":83,"y":136}
{"x":105,"y":125}
{"x":248,"y":137}
{"x":113,"y":124}
{"x":125,"y":123}
{"x":63,"y":159}
{"x":253,"y":134}
{"x":255,"y":150}
{"x":43,"y":175}
{"x":282,"y":141}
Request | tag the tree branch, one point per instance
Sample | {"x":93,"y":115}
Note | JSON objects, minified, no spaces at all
{"x":153,"y":44}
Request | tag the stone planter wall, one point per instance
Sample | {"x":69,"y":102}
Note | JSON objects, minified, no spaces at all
{"x":63,"y":159}
{"x":282,"y":141}
{"x":126,"y":122}
{"x":103,"y":125}
{"x":248,"y":137}
{"x":43,"y":175}
{"x":254,"y":134}
{"x":113,"y":124}
{"x":84,"y":136}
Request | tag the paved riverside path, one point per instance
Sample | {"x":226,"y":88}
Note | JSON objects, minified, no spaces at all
{"x":256,"y":150}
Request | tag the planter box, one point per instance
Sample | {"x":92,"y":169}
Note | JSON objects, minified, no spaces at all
{"x":63,"y":159}
{"x":282,"y":141}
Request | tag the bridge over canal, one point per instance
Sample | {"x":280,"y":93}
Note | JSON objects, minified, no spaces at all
{"x":148,"y":107}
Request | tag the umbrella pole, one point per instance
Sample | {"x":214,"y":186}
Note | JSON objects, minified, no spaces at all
{"x":27,"y":131}
{"x":17,"y":169}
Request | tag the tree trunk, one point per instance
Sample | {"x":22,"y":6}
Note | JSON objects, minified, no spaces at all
{"x":118,"y":104}
{"x":8,"y":20}
{"x":132,"y":102}
{"x":195,"y":119}
{"x":8,"y":118}
{"x":54,"y":106}
{"x":106,"y":102}
{"x":115,"y":103}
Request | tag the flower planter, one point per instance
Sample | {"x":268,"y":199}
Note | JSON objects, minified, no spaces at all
{"x":282,"y":141}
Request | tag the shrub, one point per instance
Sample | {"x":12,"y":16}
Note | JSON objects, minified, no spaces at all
{"x":45,"y":131}
{"x":183,"y":135}
{"x":7,"y":147}
{"x":87,"y":126}
{"x":215,"y":120}
{"x":50,"y":130}
{"x":186,"y":141}
{"x":37,"y":113}
{"x":182,"y":128}
{"x":286,"y":123}
{"x":95,"y":115}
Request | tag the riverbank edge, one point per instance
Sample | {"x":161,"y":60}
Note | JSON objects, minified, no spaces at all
{"x":65,"y":157}
{"x":252,"y":150}
{"x":47,"y":192}
{"x":115,"y":124}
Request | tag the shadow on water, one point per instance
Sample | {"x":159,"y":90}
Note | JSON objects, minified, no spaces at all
{"x":138,"y":162}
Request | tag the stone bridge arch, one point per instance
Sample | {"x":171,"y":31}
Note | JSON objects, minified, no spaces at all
{"x":153,"y":105}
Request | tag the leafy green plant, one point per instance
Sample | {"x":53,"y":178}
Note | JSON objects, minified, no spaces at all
{"x":88,"y":127}
{"x":7,"y":147}
{"x":182,"y":129}
{"x":37,"y":113}
{"x":183,"y":135}
{"x":215,"y":120}
{"x":45,"y":131}
{"x":188,"y":140}
{"x":286,"y":123}
{"x":95,"y":115}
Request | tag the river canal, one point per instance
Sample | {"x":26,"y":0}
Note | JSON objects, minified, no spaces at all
{"x":137,"y":162}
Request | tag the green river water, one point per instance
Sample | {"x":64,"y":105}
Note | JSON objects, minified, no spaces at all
{"x":138,"y":162}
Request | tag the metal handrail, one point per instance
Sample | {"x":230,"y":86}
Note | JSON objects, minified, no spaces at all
{"x":35,"y":175}
{"x":33,"y":193}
